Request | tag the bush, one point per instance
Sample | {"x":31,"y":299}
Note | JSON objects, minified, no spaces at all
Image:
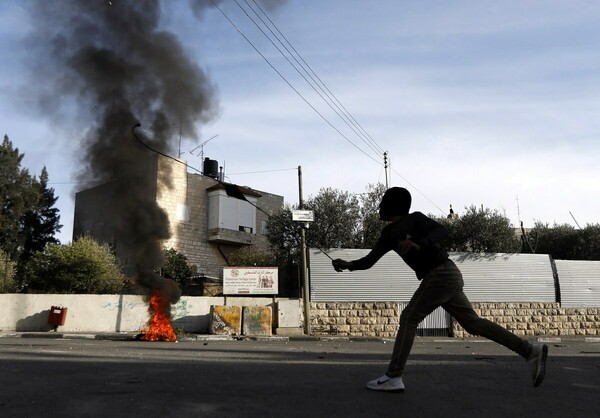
{"x":85,"y":266}
{"x":250,"y":256}
{"x":7,"y":273}
{"x":176,"y":267}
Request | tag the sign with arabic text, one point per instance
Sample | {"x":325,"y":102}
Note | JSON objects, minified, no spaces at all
{"x":303,"y":215}
{"x":250,"y":281}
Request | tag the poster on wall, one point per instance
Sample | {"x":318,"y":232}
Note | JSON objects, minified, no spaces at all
{"x":250,"y":281}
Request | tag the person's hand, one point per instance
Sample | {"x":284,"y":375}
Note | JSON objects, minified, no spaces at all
{"x":341,"y":265}
{"x":407,"y":245}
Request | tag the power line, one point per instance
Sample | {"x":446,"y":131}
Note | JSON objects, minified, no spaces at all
{"x":290,"y":85}
{"x":417,"y":190}
{"x":346,"y":117}
{"x":264,"y":171}
{"x":323,"y":92}
{"x":354,"y":121}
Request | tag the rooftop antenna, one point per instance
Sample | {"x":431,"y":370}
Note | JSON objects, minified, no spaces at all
{"x":201,"y":146}
{"x":180,"y":134}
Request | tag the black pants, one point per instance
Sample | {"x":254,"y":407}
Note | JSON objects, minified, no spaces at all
{"x":443,"y":286}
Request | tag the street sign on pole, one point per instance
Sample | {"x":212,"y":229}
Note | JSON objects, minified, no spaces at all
{"x":303,"y":215}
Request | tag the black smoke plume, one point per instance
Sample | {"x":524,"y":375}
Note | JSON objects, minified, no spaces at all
{"x":114,"y":64}
{"x":121,"y":68}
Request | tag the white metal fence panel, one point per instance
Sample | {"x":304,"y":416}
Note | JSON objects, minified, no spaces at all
{"x":507,"y":277}
{"x":579,"y":283}
{"x":390,"y":279}
{"x":488,"y":278}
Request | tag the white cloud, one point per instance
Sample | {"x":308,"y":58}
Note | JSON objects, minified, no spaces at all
{"x":477,"y":103}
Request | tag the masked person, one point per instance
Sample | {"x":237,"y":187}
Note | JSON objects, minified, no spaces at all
{"x":416,"y":238}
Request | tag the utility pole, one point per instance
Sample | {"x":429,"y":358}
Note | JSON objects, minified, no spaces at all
{"x":305,"y":284}
{"x":385,"y":168}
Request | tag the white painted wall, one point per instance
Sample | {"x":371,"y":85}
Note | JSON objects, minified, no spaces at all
{"x":108,"y":313}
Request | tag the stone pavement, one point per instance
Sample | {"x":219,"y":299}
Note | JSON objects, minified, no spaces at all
{"x":84,"y":375}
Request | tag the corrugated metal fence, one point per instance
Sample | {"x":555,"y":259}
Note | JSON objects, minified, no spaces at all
{"x":488,"y":278}
{"x":579,"y":283}
{"x":507,"y":277}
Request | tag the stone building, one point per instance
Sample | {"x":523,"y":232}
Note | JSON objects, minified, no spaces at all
{"x":206,"y":225}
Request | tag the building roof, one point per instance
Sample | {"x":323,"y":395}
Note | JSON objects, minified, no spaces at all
{"x":229,"y":188}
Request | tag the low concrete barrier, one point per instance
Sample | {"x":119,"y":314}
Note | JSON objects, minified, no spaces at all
{"x":112,"y":313}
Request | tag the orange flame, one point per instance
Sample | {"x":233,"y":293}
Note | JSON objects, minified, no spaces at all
{"x":159,"y":326}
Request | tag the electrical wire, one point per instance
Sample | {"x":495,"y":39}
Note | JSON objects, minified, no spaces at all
{"x":327,"y":92}
{"x":320,"y":82}
{"x":418,"y":191}
{"x":264,"y":171}
{"x":317,"y":88}
{"x":290,"y":85}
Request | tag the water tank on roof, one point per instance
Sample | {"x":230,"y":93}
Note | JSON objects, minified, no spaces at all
{"x":211,"y":168}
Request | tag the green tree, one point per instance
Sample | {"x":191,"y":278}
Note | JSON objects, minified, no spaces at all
{"x":40,"y":221}
{"x":251,"y":256}
{"x":84,"y":266}
{"x":17,"y":195}
{"x":336,"y":219}
{"x":176,"y":267}
{"x":283,"y":235}
{"x":7,"y":273}
{"x":370,"y":226}
{"x":590,"y":249}
{"x":564,"y":242}
{"x":480,"y":230}
{"x":341,"y":220}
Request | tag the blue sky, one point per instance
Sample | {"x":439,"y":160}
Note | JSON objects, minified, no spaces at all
{"x":476,"y":102}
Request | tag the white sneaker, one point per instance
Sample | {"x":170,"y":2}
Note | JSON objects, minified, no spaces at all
{"x":388,"y":384}
{"x":537,"y":363}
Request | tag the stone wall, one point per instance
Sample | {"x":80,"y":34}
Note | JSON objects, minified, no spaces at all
{"x":547,"y":319}
{"x":376,"y":319}
{"x":380,"y":319}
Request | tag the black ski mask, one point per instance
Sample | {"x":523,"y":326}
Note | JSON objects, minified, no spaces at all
{"x":395,"y":201}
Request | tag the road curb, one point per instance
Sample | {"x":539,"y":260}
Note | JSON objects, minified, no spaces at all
{"x":321,"y":338}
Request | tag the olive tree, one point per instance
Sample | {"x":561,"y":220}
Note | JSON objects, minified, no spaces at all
{"x":369,"y":226}
{"x":563,"y":241}
{"x":480,"y":230}
{"x":336,"y":219}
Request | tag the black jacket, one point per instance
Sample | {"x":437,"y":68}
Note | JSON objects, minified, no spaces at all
{"x":418,"y":228}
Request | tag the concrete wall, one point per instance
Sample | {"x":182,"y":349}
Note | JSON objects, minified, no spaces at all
{"x":129,"y":313}
{"x":109,"y":313}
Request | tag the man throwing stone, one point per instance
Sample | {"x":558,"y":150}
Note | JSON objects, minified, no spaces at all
{"x":416,"y":238}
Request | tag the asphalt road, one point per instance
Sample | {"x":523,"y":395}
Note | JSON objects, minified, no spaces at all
{"x":42,"y":377}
